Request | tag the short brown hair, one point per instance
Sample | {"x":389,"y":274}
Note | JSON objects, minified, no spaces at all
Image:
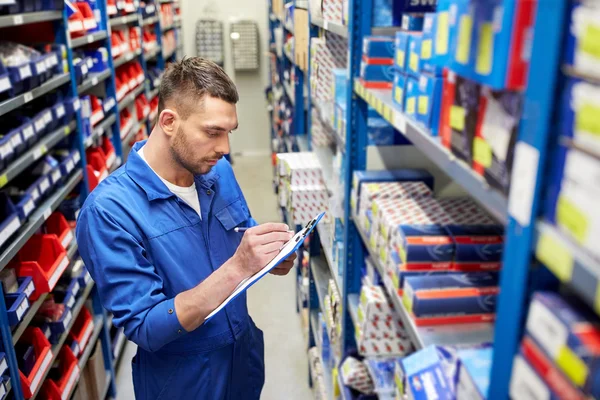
{"x":191,"y":79}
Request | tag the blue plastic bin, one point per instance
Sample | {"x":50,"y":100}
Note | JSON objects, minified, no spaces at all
{"x":17,"y":305}
{"x":57,"y":328}
{"x":24,"y":204}
{"x":26,"y":286}
{"x":9,"y":219}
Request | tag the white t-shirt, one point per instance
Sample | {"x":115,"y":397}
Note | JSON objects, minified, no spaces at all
{"x":187,"y":194}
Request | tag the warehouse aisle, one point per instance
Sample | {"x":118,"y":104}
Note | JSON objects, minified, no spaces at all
{"x":271,"y":303}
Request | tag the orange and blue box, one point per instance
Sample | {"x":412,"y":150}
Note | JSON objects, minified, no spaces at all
{"x":400,"y":272}
{"x":452,"y":298}
{"x":577,"y":334}
{"x":477,"y":247}
{"x":376,"y":76}
{"x":378,"y":50}
{"x":424,"y":247}
{"x":502,"y":34}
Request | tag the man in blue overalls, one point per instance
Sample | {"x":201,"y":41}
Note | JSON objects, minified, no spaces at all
{"x":158,"y":238}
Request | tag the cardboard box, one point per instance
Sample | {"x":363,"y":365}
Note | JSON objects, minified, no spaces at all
{"x":526,"y":384}
{"x":413,"y":66}
{"x":560,"y":327}
{"x":411,"y":96}
{"x":383,"y":347}
{"x":549,"y":373}
{"x":428,"y":46}
{"x":96,"y":374}
{"x":378,"y":50}
{"x":376,"y":73}
{"x":356,"y":376}
{"x":460,"y":115}
{"x":463,"y":36}
{"x":412,"y":22}
{"x":496,"y":136}
{"x":579,"y":118}
{"x":502,"y":32}
{"x":404,"y":175}
{"x":474,"y":369}
{"x":429,"y":102}
{"x":430,"y":373}
{"x":452,"y":298}
{"x":399,"y":89}
{"x":401,"y":52}
{"x":580,"y":52}
{"x":400,"y":273}
{"x":379,"y":132}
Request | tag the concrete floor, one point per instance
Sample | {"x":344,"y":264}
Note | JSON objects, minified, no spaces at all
{"x":271,"y":302}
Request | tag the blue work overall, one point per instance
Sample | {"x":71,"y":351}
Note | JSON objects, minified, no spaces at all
{"x":143,"y":245}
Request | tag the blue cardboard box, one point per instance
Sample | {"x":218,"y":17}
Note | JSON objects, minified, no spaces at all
{"x":401,"y":42}
{"x":577,"y":333}
{"x":376,"y":73}
{"x":400,"y":272}
{"x":445,"y":32}
{"x":424,"y":246}
{"x":430,"y":372}
{"x":379,"y":132}
{"x":451,"y":298}
{"x":429,"y":103}
{"x":341,"y":85}
{"x":412,"y":22}
{"x":502,"y":34}
{"x":378,"y":47}
{"x":413,"y":66}
{"x":578,"y":121}
{"x":428,"y":46}
{"x":410,"y":97}
{"x":474,"y":369}
{"x":399,"y":89}
{"x":463,"y":35}
{"x":579,"y":53}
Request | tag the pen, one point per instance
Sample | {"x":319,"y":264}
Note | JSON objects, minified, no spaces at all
{"x":240,"y":229}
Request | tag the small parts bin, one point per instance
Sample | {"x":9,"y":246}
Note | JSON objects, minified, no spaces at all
{"x":44,"y":259}
{"x":81,"y":331}
{"x":57,"y":225}
{"x":42,"y":353}
{"x":63,"y":378}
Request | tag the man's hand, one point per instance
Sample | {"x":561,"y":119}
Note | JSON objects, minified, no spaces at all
{"x":285,"y":266}
{"x":260,"y":245}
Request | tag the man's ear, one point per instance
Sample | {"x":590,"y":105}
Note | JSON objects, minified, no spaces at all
{"x":168,"y":120}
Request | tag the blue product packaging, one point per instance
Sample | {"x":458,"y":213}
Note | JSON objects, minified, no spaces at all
{"x":99,"y":58}
{"x":412,"y":22}
{"x":501,"y":37}
{"x":379,"y":132}
{"x":378,"y":47}
{"x":462,"y":57}
{"x":429,"y":103}
{"x":399,"y":89}
{"x":400,"y":274}
{"x":428,"y":46}
{"x":575,"y":331}
{"x":413,"y":66}
{"x":442,"y":32}
{"x":579,"y":120}
{"x":451,"y":298}
{"x":382,"y":374}
{"x":582,"y":34}
{"x":424,"y":246}
{"x":429,"y":373}
{"x":376,"y":73}
{"x":411,"y":96}
{"x":401,"y":57}
{"x":341,"y":85}
{"x":383,"y":13}
{"x":474,"y":369}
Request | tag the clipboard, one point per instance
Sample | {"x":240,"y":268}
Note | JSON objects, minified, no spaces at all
{"x":290,"y":247}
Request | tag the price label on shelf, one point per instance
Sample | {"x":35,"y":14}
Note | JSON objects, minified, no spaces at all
{"x":18,"y":20}
{"x":90,"y":38}
{"x":47,"y":213}
{"x":400,"y":122}
{"x":39,"y":151}
{"x":27,"y":97}
{"x":555,"y":255}
{"x":94,"y":81}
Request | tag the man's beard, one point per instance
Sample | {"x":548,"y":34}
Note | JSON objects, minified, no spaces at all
{"x":182,"y":152}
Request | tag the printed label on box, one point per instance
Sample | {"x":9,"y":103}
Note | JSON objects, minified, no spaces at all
{"x":71,"y":382}
{"x":22,"y":308}
{"x":41,"y":371}
{"x":58,"y":273}
{"x":9,"y":230}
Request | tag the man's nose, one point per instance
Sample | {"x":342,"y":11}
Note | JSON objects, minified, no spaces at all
{"x":223,"y":145}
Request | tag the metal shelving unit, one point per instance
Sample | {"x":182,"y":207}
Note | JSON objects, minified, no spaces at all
{"x":72,"y":135}
{"x":527,"y":238}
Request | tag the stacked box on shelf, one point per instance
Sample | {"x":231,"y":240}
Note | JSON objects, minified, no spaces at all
{"x":380,"y":331}
{"x":560,"y":352}
{"x":301,"y":186}
{"x":376,"y":68}
{"x":327,"y":54}
{"x":572,"y":193}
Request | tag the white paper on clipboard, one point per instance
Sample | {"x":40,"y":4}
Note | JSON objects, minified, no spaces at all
{"x":291,"y":246}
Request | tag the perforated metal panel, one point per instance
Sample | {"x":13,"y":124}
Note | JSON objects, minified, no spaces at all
{"x":209,"y":40}
{"x":244,"y":45}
